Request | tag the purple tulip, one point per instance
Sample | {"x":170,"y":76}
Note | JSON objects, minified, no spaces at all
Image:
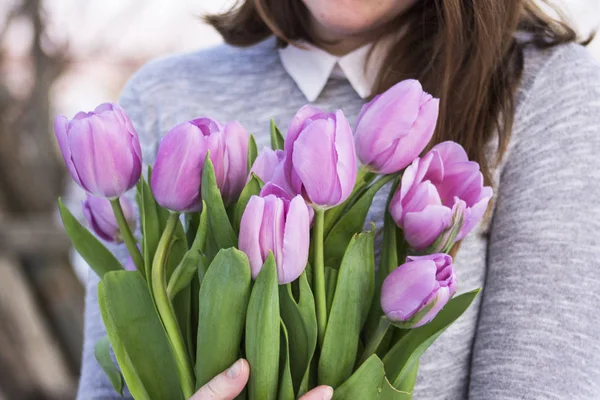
{"x":416,"y":291}
{"x":320,"y":156}
{"x":177,"y":172}
{"x":441,"y":198}
{"x":99,"y":214}
{"x":275,"y":224}
{"x":395,"y":127}
{"x":101,"y":150}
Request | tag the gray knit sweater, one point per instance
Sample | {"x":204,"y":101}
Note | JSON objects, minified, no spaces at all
{"x":534,"y":333}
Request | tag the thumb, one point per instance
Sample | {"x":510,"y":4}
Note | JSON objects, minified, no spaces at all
{"x":227,"y":385}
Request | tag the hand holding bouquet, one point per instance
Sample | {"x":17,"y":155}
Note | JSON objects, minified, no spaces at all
{"x":263,"y":256}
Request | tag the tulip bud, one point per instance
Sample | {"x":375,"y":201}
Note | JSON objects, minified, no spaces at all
{"x":99,"y":214}
{"x":320,"y":157}
{"x":101,"y":150}
{"x":395,"y":127}
{"x":177,"y":172}
{"x":441,"y":198}
{"x":275,"y":224}
{"x":416,"y":291}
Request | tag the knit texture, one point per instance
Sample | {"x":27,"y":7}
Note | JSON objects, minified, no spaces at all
{"x":534,"y":332}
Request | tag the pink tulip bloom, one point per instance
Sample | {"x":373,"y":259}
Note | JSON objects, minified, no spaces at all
{"x":441,"y":196}
{"x":395,"y":127}
{"x":177,"y":173}
{"x":101,"y":150}
{"x":276,"y":224}
{"x":416,"y":291}
{"x":99,"y":214}
{"x":320,"y":156}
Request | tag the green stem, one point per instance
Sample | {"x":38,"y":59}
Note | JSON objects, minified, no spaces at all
{"x":319,"y":276}
{"x":166,"y":311}
{"x":375,"y":340}
{"x":128,"y":237}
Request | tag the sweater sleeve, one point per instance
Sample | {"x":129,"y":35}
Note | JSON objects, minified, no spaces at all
{"x":93,"y":383}
{"x":538,"y":334}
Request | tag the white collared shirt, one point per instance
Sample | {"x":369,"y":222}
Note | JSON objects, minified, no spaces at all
{"x":311,"y":68}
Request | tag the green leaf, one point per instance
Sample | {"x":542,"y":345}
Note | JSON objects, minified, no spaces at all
{"x":183,"y":274}
{"x":99,"y":258}
{"x":351,"y":303}
{"x":286,"y":388}
{"x":192,"y":223}
{"x":387,"y":263}
{"x":301,"y":320}
{"x":218,"y":221}
{"x":199,"y":243}
{"x":369,"y":382}
{"x":408,"y":383}
{"x":332,"y":215}
{"x":262,"y":333}
{"x":102,"y":354}
{"x":330,"y":283}
{"x":252,"y":151}
{"x":252,"y":188}
{"x":136,"y":333}
{"x":151,"y":225}
{"x":277,"y":141}
{"x":351,"y":223}
{"x":409,"y":349}
{"x":182,"y":300}
{"x":224,"y":295}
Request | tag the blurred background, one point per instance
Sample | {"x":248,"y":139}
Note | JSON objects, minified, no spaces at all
{"x":61,"y":56}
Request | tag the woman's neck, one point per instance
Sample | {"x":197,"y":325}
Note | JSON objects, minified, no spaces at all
{"x":340,"y":44}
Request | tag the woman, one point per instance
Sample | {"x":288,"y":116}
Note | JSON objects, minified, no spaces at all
{"x":516,"y":92}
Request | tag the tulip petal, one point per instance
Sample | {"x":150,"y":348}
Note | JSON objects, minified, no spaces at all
{"x":405,"y":290}
{"x":388,"y":120}
{"x":112,"y":160}
{"x":421,"y":196}
{"x":265,"y":163}
{"x":395,"y":207}
{"x":439,"y":301}
{"x":60,"y":129}
{"x":235,"y":160}
{"x":422,"y":228}
{"x":415,"y":140}
{"x":475,"y":213}
{"x":99,"y":227}
{"x":296,"y":240}
{"x":315,"y":161}
{"x":272,"y":228}
{"x":250,"y":227}
{"x":296,"y":126}
{"x":177,"y":172}
{"x":346,"y":155}
{"x":451,"y":152}
{"x":459,"y":178}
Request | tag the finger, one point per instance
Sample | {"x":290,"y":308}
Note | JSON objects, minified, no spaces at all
{"x":319,"y":393}
{"x":227,"y":385}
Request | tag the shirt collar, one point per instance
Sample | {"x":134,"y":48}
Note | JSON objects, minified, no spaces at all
{"x":311,"y":68}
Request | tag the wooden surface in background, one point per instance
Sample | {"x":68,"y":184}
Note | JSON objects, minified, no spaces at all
{"x":31,"y":363}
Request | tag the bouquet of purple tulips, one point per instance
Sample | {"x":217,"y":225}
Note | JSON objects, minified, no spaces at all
{"x":264,"y":256}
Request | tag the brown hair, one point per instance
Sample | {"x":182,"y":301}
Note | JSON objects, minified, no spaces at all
{"x":464,"y":52}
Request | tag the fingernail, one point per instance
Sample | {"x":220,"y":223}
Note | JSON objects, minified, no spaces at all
{"x":328,"y":393}
{"x":235,"y":370}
